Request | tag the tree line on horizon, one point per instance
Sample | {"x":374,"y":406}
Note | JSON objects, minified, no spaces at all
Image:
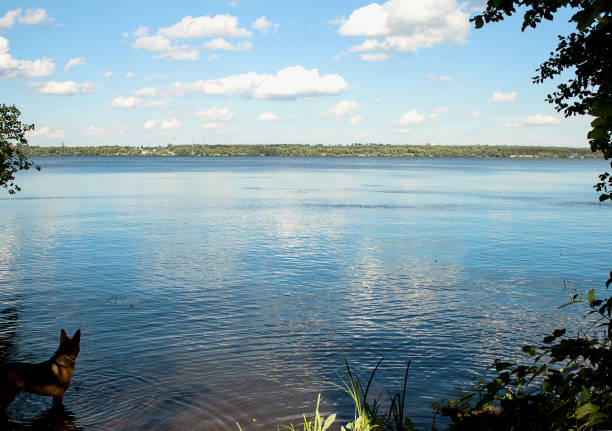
{"x":301,"y":150}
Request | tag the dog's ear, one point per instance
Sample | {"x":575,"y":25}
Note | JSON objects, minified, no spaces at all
{"x":77,"y":336}
{"x":63,"y":337}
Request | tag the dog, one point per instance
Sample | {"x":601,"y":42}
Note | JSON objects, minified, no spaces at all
{"x":51,"y":377}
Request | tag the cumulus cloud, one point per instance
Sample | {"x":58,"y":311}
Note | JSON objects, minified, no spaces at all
{"x":152,"y":43}
{"x":374,"y":57}
{"x":96,"y":131}
{"x":63,"y":88}
{"x":137,"y":102}
{"x":162,"y":124}
{"x":217,"y":27}
{"x":474,"y":114}
{"x":141,"y":31}
{"x":498,"y":96}
{"x":11,"y":68}
{"x":540,"y":120}
{"x":268,"y":116}
{"x":340,"y":109}
{"x":146,"y":92}
{"x":34,"y":17}
{"x":165,"y":48}
{"x":536,"y":120}
{"x":262,"y":25}
{"x":182,"y":52}
{"x":130,"y":75}
{"x":412,"y":117}
{"x":47,"y":132}
{"x":107,"y":74}
{"x":73,"y":62}
{"x":216,"y":114}
{"x":221,"y":44}
{"x":9,"y":18}
{"x":288,"y":83}
{"x":356,"y":119}
{"x":407,"y":25}
{"x":29,"y":17}
{"x":206,"y":26}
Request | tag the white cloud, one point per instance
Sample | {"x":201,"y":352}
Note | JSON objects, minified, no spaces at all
{"x":268,"y":116}
{"x":213,"y":57}
{"x":9,"y":18}
{"x":34,"y":17}
{"x":162,"y":124}
{"x":288,"y":83}
{"x":126,"y":102}
{"x":205,"y":26}
{"x":182,"y":52}
{"x":440,"y":109}
{"x":536,"y":120}
{"x":107,"y":74}
{"x":221,"y":44}
{"x":376,"y":100}
{"x":141,"y":31}
{"x":137,"y":102}
{"x":374,"y":57}
{"x":30,"y":17}
{"x":263,"y":25}
{"x":150,"y":124}
{"x":11,"y":68}
{"x":152,"y":43}
{"x":170,"y":124}
{"x":356,"y":119}
{"x":130,"y":75}
{"x":146,"y":92}
{"x":498,"y":96}
{"x":47,"y":132}
{"x":340,"y":109}
{"x":402,"y":131}
{"x":73,"y":62}
{"x":540,"y":120}
{"x":216,"y":114}
{"x":63,"y":88}
{"x":339,"y":56}
{"x":96,"y":131}
{"x":407,"y":25}
{"x":412,"y":117}
{"x":474,"y":114}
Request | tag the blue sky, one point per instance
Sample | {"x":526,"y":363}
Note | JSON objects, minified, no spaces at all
{"x":280,"y":71}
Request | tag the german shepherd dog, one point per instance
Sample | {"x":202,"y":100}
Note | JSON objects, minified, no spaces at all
{"x":51,"y":377}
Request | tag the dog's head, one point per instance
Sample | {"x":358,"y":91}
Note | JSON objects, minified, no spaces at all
{"x":70,"y":346}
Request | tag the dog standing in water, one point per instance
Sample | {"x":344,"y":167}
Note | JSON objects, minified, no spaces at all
{"x":51,"y":377}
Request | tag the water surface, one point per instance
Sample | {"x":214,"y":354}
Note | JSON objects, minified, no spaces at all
{"x":216,"y":290}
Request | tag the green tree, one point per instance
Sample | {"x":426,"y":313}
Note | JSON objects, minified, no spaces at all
{"x":12,"y":143}
{"x":585,"y":55}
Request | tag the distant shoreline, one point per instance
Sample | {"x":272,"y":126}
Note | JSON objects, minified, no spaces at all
{"x":355,"y":150}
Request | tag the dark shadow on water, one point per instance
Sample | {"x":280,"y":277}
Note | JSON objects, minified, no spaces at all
{"x":53,"y":419}
{"x":9,"y":320}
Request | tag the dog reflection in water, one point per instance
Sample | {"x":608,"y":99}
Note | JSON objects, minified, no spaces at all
{"x":51,"y":377}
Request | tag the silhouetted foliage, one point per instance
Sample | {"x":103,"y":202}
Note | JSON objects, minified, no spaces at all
{"x":12,"y":143}
{"x":586,"y":54}
{"x":567,"y":387}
